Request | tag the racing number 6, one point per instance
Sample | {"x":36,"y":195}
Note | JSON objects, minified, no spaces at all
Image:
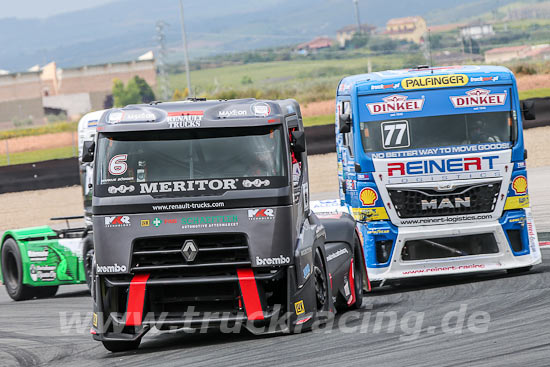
{"x":117,"y":165}
{"x":395,"y":134}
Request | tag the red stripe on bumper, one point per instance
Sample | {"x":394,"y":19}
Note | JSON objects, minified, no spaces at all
{"x":546,"y":243}
{"x":250,"y":294}
{"x":136,"y":298}
{"x":351,"y":284}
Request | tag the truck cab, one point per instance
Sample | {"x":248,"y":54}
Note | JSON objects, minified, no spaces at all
{"x":431,"y":162}
{"x":201,"y":216}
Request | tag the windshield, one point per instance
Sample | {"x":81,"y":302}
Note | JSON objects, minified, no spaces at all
{"x":191,"y":157}
{"x":437,"y":131}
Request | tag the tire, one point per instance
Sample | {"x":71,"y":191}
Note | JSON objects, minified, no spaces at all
{"x":320,"y":284}
{"x":121,"y":346}
{"x":12,"y":273}
{"x":357,"y":276}
{"x":525,"y":269}
{"x":88,"y":257}
{"x":47,"y":292}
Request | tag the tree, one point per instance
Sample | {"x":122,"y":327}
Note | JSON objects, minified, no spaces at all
{"x":136,"y":91}
{"x":358,"y":40}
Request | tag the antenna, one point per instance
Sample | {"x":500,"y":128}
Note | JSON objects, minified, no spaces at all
{"x":430,"y":49}
{"x":185,"y":55}
{"x":161,"y":61}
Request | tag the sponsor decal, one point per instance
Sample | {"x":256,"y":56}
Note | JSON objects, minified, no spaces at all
{"x":145,"y":222}
{"x":337,"y":254}
{"x":94,"y":319}
{"x":261,"y":214}
{"x":299,"y":307}
{"x":446,"y":203}
{"x":445,"y":269}
{"x":117,"y":165}
{"x":46,"y":273}
{"x":306,"y":271}
{"x":395,"y":103}
{"x":344,"y":87}
{"x":41,"y":255}
{"x":111,"y":268}
{"x":443,"y":150}
{"x":517,"y":202}
{"x":385,"y":86}
{"x":368,"y":196}
{"x":378,"y":231}
{"x":157,"y":222}
{"x":442,"y":165}
{"x":170,"y":221}
{"x":184,"y":119}
{"x":446,"y":220}
{"x":117,"y":221}
{"x":256,"y":183}
{"x":261,"y":109}
{"x":122,"y":189}
{"x":130,"y":116}
{"x":479,"y":98}
{"x":210,"y":222}
{"x":350,"y":184}
{"x":190,"y":185}
{"x":232,"y":113}
{"x":281,"y":260}
{"x":435,"y":81}
{"x":368,"y":214}
{"x":484,"y":79}
{"x":519,"y":185}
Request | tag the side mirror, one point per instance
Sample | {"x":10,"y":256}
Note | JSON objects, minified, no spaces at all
{"x":88,"y":151}
{"x":345,"y":123}
{"x":298,"y":141}
{"x":528,"y":109}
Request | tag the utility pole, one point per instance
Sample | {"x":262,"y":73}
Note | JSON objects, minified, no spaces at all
{"x":161,"y":61}
{"x":185,"y":56}
{"x":358,"y":19}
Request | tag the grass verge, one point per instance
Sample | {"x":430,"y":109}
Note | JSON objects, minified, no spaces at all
{"x":38,"y":155}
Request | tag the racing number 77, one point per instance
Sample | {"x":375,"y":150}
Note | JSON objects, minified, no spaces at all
{"x":395,"y":134}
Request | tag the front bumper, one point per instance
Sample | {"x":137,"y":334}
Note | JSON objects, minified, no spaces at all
{"x":504,"y":259}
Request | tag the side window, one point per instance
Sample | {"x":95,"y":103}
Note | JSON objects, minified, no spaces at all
{"x":296,"y":163}
{"x":348,"y":137}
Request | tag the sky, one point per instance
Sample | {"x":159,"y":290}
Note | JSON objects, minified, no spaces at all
{"x":44,"y":8}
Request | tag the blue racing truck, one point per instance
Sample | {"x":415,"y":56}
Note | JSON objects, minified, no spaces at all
{"x":431,"y":162}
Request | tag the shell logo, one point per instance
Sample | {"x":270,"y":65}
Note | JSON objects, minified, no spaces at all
{"x":520,"y":185}
{"x":368,"y":196}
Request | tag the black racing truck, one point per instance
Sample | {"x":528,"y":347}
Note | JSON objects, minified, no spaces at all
{"x":201,"y":219}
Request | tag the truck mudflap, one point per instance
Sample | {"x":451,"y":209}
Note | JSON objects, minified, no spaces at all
{"x":298,"y":312}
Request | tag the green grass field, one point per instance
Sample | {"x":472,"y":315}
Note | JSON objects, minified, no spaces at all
{"x":534,"y":93}
{"x":38,"y":155}
{"x":319,"y":120}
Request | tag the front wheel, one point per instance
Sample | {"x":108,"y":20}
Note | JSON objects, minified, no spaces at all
{"x":320,"y":283}
{"x":357,"y":275}
{"x":88,"y":255}
{"x":12,"y":271}
{"x":121,"y":346}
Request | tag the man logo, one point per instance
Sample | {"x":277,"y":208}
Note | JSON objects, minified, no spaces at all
{"x":189,"y":250}
{"x":446,"y":203}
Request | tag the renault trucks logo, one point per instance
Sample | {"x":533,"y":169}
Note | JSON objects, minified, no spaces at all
{"x":395,"y":103}
{"x":479,"y":98}
{"x":189,"y":250}
{"x":261,"y":214}
{"x":184,"y":119}
{"x":118,"y":221}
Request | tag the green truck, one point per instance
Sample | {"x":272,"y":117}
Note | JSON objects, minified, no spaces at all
{"x":34,"y":262}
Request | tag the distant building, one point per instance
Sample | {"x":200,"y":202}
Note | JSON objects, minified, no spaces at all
{"x":346,"y":34}
{"x":503,"y":54}
{"x":73,"y":90}
{"x":412,"y":29}
{"x":477,"y":30}
{"x":315,"y":45}
{"x":541,"y":52}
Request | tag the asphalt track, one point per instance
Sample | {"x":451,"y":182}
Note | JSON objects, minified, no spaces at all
{"x":506,"y":323}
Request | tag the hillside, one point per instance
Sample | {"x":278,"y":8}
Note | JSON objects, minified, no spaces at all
{"x":124,"y":29}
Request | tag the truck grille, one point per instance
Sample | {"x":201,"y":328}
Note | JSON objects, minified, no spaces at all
{"x":215,"y":255}
{"x":413,"y":203}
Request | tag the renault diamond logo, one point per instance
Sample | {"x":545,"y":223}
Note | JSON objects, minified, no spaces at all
{"x":189,"y":250}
